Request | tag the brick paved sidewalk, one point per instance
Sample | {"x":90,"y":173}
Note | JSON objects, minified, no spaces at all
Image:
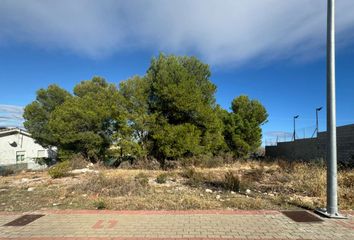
{"x":132,"y":225}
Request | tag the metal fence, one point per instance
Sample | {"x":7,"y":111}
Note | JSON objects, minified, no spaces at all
{"x":301,"y":133}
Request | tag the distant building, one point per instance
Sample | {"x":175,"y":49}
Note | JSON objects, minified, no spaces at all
{"x":19,"y":150}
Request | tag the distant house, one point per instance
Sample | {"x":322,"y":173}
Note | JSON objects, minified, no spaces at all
{"x":19,"y":150}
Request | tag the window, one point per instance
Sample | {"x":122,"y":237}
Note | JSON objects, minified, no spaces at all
{"x":20,"y":156}
{"x":41,"y":153}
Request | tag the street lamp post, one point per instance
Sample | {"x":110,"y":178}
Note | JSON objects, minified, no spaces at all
{"x":294,"y":134}
{"x":316,"y":130}
{"x":332,"y":197}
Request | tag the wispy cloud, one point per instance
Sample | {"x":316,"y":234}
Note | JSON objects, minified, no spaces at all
{"x":11,"y":115}
{"x":220,"y":31}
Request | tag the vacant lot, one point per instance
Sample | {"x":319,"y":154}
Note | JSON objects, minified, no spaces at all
{"x":242,"y":185}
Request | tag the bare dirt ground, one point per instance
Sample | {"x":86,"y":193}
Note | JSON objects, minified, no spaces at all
{"x":242,"y":185}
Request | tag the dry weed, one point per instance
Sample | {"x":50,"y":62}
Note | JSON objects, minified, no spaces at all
{"x":101,"y":185}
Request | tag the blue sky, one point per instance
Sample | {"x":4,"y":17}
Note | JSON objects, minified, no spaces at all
{"x":271,"y":50}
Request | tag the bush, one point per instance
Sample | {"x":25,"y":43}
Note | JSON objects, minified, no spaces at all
{"x":287,"y":166}
{"x":232,"y":182}
{"x":172,"y":164}
{"x":194,"y":178}
{"x":65,"y":155}
{"x":162,"y":178}
{"x":142,"y":179}
{"x":147,"y":163}
{"x":60,"y":170}
{"x":78,"y":161}
{"x":228,"y":158}
{"x":100,"y":204}
{"x":125,"y":165}
{"x":256,"y":174}
{"x":44,"y":161}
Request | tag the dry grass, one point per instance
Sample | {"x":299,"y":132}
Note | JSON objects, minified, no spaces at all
{"x":269,"y":185}
{"x":100,"y":185}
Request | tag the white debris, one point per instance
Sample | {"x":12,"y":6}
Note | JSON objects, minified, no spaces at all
{"x":31,"y":189}
{"x":89,"y":165}
{"x":23,"y":180}
{"x":232,"y":192}
{"x":83,"y":170}
{"x":208,"y":190}
{"x":248,"y":191}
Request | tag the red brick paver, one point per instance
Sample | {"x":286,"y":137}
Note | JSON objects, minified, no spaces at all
{"x":196,"y":225}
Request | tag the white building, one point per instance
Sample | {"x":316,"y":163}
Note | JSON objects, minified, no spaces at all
{"x":18,"y":149}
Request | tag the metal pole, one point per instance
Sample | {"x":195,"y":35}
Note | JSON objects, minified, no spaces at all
{"x":316,"y":129}
{"x":332,"y":202}
{"x":294,"y":134}
{"x":332,"y":197}
{"x":316,"y":122}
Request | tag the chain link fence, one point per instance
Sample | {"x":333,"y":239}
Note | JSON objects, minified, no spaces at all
{"x":301,"y":133}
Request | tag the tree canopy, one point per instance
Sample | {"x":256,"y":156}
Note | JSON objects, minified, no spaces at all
{"x":168,"y":113}
{"x":242,"y":131}
{"x":181,"y":96}
{"x":37,"y":114}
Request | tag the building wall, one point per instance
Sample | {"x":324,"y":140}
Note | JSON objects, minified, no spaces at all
{"x":315,"y":148}
{"x":24,"y":144}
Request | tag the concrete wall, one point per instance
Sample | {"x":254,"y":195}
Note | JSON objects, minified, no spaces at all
{"x":24,"y":144}
{"x":315,"y":148}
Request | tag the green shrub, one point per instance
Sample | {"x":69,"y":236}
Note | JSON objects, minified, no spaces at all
{"x":65,"y":155}
{"x":162,"y":178}
{"x":60,"y":170}
{"x":100,"y":204}
{"x":232,"y":182}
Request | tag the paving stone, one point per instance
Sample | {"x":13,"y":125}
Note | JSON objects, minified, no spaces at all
{"x":133,"y":225}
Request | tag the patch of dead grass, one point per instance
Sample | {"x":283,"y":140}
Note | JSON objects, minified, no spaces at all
{"x":273,"y":185}
{"x":102,"y":185}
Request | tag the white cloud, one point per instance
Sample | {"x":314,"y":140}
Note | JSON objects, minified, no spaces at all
{"x":11,"y":115}
{"x":220,"y":31}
